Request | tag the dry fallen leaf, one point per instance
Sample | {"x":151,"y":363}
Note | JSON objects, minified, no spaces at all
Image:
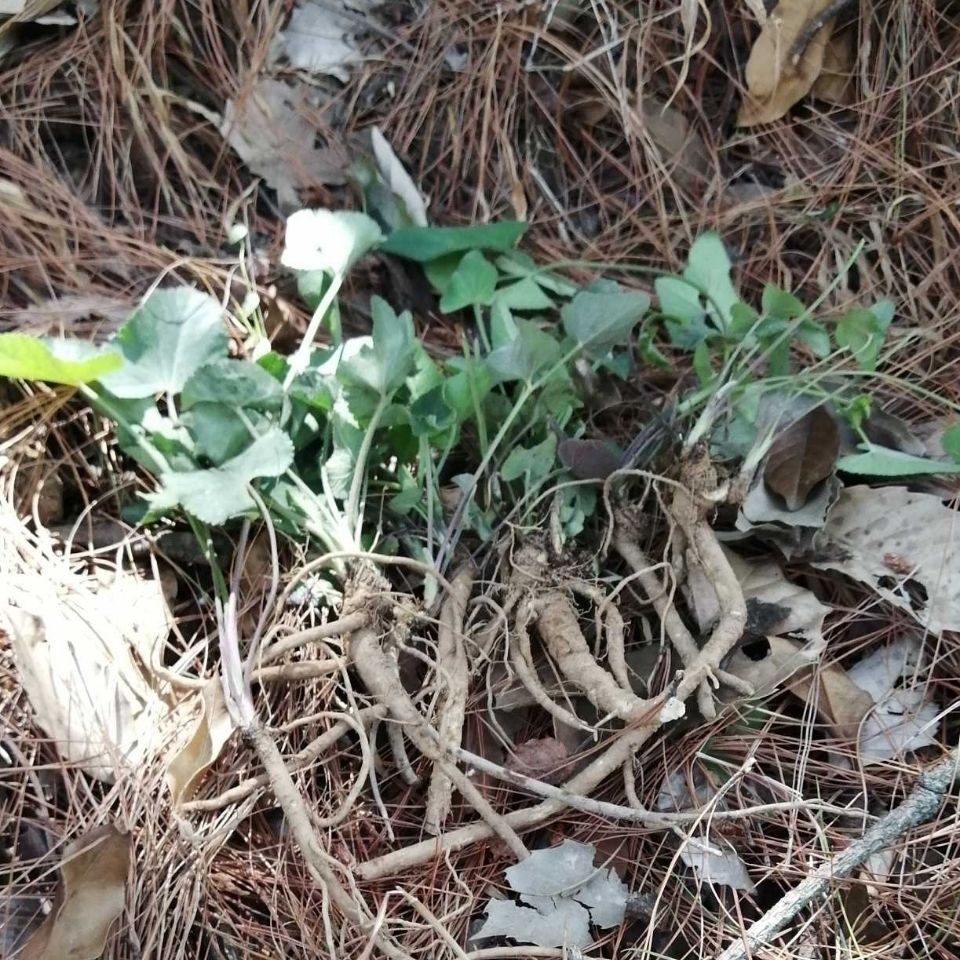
{"x":835,"y":83}
{"x":870,"y":526}
{"x":775,"y":79}
{"x":274,"y":139}
{"x":801,"y":457}
{"x":779,"y":661}
{"x":89,"y":899}
{"x":681,"y":148}
{"x":212,"y":730}
{"x":84,"y":646}
{"x":840,"y":703}
{"x":319,"y":37}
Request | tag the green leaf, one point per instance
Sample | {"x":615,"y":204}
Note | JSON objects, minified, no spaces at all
{"x":332,"y":240}
{"x":650,"y":353}
{"x":217,"y":430}
{"x":524,"y":294}
{"x":170,"y":336}
{"x":471,"y":381}
{"x":474,"y":282}
{"x":71,"y":362}
{"x":708,"y":269}
{"x":438,"y":272}
{"x":815,"y":336}
{"x":215,"y":495}
{"x":776,"y":302}
{"x":530,"y":352}
{"x":862,"y":331}
{"x":410,"y":494}
{"x":701,"y":364}
{"x":602,"y":320}
{"x":950,"y":441}
{"x":234,"y":383}
{"x":532,"y":463}
{"x":516,"y":263}
{"x":682,"y":309}
{"x":877,"y":461}
{"x":383,"y":363}
{"x":428,"y":243}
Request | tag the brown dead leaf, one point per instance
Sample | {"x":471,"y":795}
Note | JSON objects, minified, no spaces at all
{"x":840,"y":702}
{"x":780,"y":659}
{"x":835,"y":83}
{"x":212,"y":730}
{"x":681,"y":148}
{"x":89,"y":899}
{"x":774,"y":81}
{"x":802,"y":456}
{"x":271,"y":136}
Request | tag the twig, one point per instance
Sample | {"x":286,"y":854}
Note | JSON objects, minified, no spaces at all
{"x":814,"y":25}
{"x":921,"y":804}
{"x":454,"y":676}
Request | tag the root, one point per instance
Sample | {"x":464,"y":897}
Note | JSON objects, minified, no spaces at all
{"x":624,"y":543}
{"x":454,"y":674}
{"x":381,"y":679}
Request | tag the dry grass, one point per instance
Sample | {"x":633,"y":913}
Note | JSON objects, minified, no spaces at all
{"x":121,"y":181}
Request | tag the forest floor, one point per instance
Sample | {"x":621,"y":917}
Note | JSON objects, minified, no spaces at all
{"x":544,"y":615}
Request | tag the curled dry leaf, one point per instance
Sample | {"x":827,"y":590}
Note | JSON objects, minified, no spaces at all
{"x":212,"y":730}
{"x":681,"y":148}
{"x":84,"y":647}
{"x":90,"y":897}
{"x":397,"y":179}
{"x":835,"y":83}
{"x":801,"y":457}
{"x":777,"y":661}
{"x":775,"y":78}
{"x":839,"y":703}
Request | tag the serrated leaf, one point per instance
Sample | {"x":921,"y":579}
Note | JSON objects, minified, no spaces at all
{"x":602,"y":320}
{"x":385,"y":362}
{"x":802,"y":456}
{"x":473,"y":283}
{"x":427,"y":243}
{"x":71,"y":362}
{"x":170,"y":336}
{"x":876,"y":461}
{"x":708,"y":269}
{"x":215,"y":495}
{"x":332,"y":240}
{"x":233,"y":383}
{"x":862,"y":331}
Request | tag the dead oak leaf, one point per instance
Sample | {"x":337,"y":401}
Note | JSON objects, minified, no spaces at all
{"x":776,"y":79}
{"x":270,"y":134}
{"x":802,"y":456}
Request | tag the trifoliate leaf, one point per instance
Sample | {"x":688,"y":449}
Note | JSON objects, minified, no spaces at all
{"x":332,"y":240}
{"x":524,"y":294}
{"x":234,"y":383}
{"x":170,"y":336}
{"x":428,"y":243}
{"x":708,"y":269}
{"x":215,"y":495}
{"x":601,"y":320}
{"x":473,"y":283}
{"x":71,"y":362}
{"x":385,"y":362}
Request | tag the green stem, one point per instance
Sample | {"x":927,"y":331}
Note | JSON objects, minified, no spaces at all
{"x":300,"y":359}
{"x":360,"y":469}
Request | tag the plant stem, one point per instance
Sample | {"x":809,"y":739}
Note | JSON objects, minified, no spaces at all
{"x":298,"y":362}
{"x":360,"y":469}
